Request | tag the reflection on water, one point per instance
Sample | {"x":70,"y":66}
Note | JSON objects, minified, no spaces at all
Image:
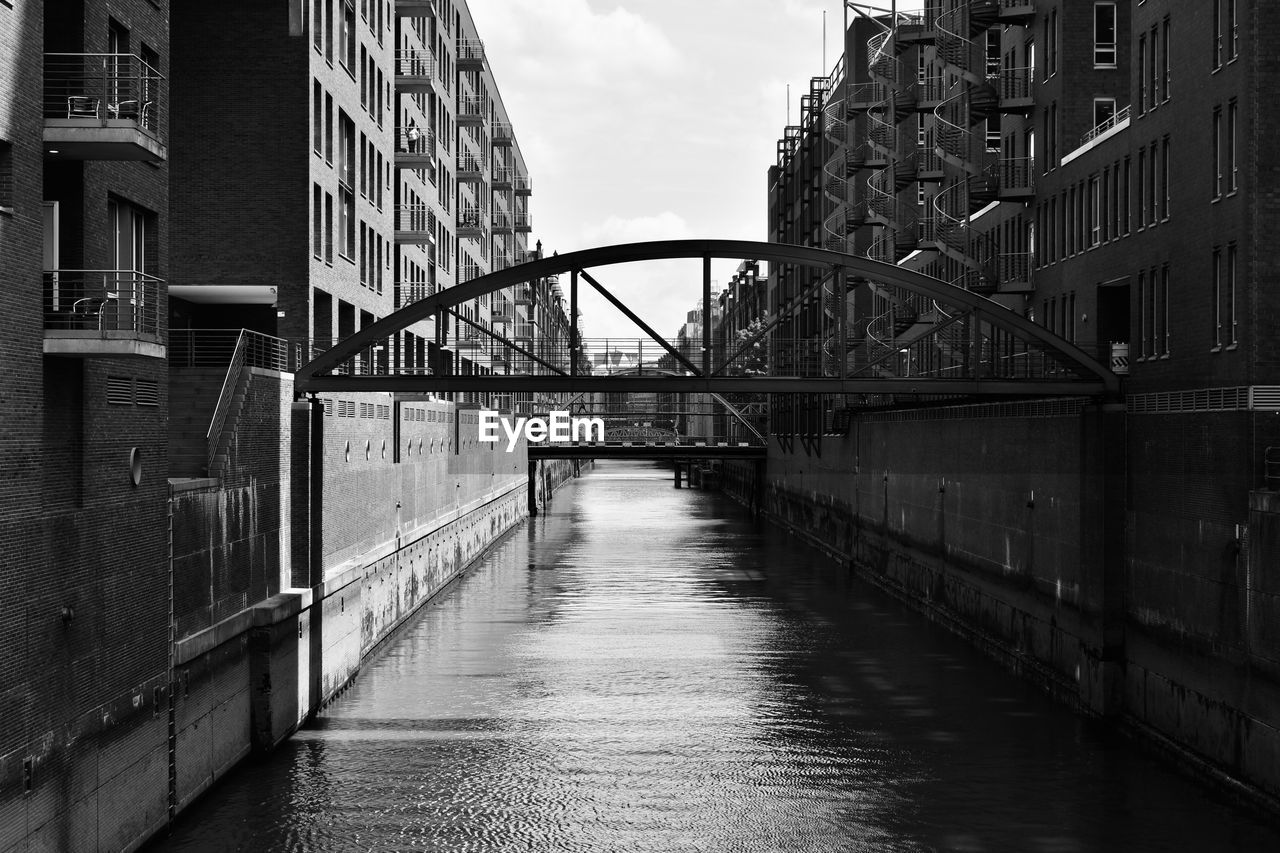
{"x":644,"y":669}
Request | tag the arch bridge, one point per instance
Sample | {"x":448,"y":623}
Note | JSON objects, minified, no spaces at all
{"x":838,"y":324}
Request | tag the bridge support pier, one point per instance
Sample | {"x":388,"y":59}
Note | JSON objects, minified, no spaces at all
{"x":678,"y":468}
{"x":533,"y":488}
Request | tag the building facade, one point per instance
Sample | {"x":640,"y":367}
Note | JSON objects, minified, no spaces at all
{"x":84,"y":259}
{"x":1106,"y":169}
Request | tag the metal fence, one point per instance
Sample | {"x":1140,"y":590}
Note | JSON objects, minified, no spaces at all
{"x":102,"y":301}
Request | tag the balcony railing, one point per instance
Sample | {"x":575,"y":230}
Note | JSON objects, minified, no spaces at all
{"x":522,"y":183}
{"x":502,"y":178}
{"x":108,"y":106}
{"x":466,"y":272}
{"x":470,"y":223}
{"x":1015,"y":175}
{"x":502,"y":133}
{"x":470,"y":52}
{"x":415,"y":147}
{"x":413,"y":66}
{"x":1120,"y":117}
{"x":82,"y":308}
{"x":1015,"y":84}
{"x":502,"y":221}
{"x":524,"y":222}
{"x":415,"y":224}
{"x":471,"y":110}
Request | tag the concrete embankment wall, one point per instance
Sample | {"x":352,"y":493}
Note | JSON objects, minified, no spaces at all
{"x":1037,"y":532}
{"x":295,"y":567}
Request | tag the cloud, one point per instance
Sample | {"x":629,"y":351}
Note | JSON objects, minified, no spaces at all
{"x":618,"y":229}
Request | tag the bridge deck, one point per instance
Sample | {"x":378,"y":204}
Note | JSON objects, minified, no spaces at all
{"x":645,"y":450}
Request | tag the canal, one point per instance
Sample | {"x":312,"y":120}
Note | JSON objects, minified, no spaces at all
{"x":646,"y":669}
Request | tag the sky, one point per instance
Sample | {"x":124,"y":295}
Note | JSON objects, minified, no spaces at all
{"x":652,"y":120}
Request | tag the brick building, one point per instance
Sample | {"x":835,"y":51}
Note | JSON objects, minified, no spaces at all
{"x":1107,"y":169}
{"x":84,"y":259}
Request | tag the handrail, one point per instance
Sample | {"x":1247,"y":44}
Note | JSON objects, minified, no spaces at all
{"x":229,"y":385}
{"x":1119,"y":116}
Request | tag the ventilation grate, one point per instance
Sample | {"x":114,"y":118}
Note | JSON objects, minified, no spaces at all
{"x":119,"y":391}
{"x":148,"y":393}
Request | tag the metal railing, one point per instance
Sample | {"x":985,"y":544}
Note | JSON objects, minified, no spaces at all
{"x":1013,"y":267}
{"x":415,"y":217}
{"x":1120,"y":116}
{"x":230,"y":386}
{"x":471,"y":109}
{"x":522,"y":183}
{"x":1015,"y":173}
{"x":412,"y":139}
{"x":216,"y":347}
{"x":470,"y":50}
{"x":523,"y":222}
{"x":503,"y":133}
{"x":102,"y":301}
{"x":103,"y":89}
{"x":501,"y":220}
{"x":415,"y":63}
{"x":1014,"y":83}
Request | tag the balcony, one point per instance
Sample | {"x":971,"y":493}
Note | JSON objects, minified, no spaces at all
{"x":1016,"y":12}
{"x":470,"y":169}
{"x":1013,"y":272}
{"x":502,"y":222}
{"x":524,"y":294}
{"x":1016,"y":182}
{"x":471,"y":111}
{"x":415,"y":70}
{"x":1015,"y":87}
{"x":470,"y":54}
{"x":524,"y":223}
{"x":415,"y":148}
{"x":471,"y":224}
{"x":468,"y":271}
{"x":468,"y":338}
{"x":415,"y":8}
{"x":103,"y":313}
{"x":503,"y":178}
{"x":502,"y":312}
{"x":103,"y":106}
{"x":415,"y":225}
{"x":522,"y":184}
{"x":526,"y":256}
{"x":502,"y":133}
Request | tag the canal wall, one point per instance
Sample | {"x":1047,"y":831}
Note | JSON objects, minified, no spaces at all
{"x":1051,"y":536}
{"x":334,"y":521}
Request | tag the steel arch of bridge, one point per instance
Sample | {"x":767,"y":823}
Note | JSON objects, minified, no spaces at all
{"x":1081,"y":374}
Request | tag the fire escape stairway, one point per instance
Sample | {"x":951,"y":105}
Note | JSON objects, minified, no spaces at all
{"x":835,"y":184}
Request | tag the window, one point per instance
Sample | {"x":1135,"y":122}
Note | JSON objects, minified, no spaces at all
{"x":6,"y":175}
{"x":1142,"y":77}
{"x":1051,"y":43}
{"x":1217,"y":152}
{"x":1217,"y":33}
{"x":1162,"y":317}
{"x":1232,"y":338}
{"x":317,"y":221}
{"x":1104,"y":35}
{"x":347,"y":223}
{"x":346,"y":149}
{"x":1153,"y":65}
{"x":1095,"y":211}
{"x":1142,"y":186}
{"x":328,"y":229}
{"x":1125,"y":209}
{"x":1216,"y":308}
{"x":1233,"y":32}
{"x":317,"y":24}
{"x":1104,"y":109}
{"x":1164,"y":59}
{"x":317,"y":118}
{"x":1144,"y":333}
{"x":1232,"y":168}
{"x":328,"y":127}
{"x":1166,"y":189}
{"x":328,"y":31}
{"x":1153,"y":187}
{"x":349,"y":37}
